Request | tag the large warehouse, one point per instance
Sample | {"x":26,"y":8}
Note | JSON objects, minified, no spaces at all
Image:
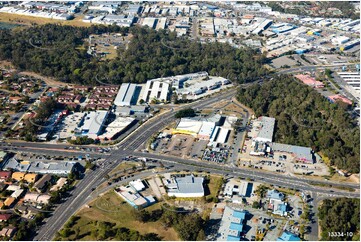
{"x":188,"y":186}
{"x":265,"y":126}
{"x":199,"y":127}
{"x":127,"y":95}
{"x":92,"y":124}
{"x":155,"y":89}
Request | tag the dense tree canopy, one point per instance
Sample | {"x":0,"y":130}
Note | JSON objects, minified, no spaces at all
{"x":53,"y":50}
{"x":306,"y":118}
{"x":341,"y":215}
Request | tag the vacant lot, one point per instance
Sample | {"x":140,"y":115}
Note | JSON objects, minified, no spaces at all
{"x":111,"y":208}
{"x":28,"y":20}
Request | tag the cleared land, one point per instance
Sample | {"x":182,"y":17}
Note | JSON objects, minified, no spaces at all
{"x":111,"y":208}
{"x":29,"y":20}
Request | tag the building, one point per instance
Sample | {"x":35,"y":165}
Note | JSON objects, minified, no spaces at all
{"x":156,"y":90}
{"x":265,"y":128}
{"x":127,"y":95}
{"x":300,"y":153}
{"x":8,"y":231}
{"x":58,"y":168}
{"x":18,"y":176}
{"x":288,"y":236}
{"x":238,"y":189}
{"x":117,"y":127}
{"x":150,"y":22}
{"x":59,"y":184}
{"x":9,"y":201}
{"x":338,"y":97}
{"x":232,"y":224}
{"x":276,"y":204}
{"x":17,"y":193}
{"x":4,"y":175}
{"x":31,"y":177}
{"x":352,"y":80}
{"x":199,"y":127}
{"x":92,"y":123}
{"x":133,"y":197}
{"x":5,"y":216}
{"x":41,"y":184}
{"x":188,"y":186}
{"x":276,"y":195}
{"x":310,"y":81}
{"x":36,"y":198}
{"x":340,"y":40}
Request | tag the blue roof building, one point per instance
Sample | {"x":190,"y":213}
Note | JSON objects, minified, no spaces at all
{"x":288,"y":236}
{"x":232,"y":224}
{"x":274,"y":194}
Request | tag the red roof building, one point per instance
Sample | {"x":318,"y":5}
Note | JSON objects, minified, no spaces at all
{"x":5,"y":174}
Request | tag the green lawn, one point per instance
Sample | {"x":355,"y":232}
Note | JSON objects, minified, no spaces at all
{"x":111,"y":208}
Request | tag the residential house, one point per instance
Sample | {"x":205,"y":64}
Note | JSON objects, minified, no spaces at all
{"x":18,"y":176}
{"x":59,"y":184}
{"x":41,"y":184}
{"x":4,"y":175}
{"x":9,"y":201}
{"x":8,"y":231}
{"x":31,"y":177}
{"x":5,"y":216}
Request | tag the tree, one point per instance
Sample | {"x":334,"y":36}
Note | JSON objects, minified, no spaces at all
{"x":188,"y":112}
{"x":141,"y":101}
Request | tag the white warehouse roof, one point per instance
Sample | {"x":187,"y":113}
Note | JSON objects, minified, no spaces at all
{"x":265,"y":133}
{"x":125,"y":95}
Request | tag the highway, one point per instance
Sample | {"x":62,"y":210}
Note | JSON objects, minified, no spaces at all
{"x":135,"y":143}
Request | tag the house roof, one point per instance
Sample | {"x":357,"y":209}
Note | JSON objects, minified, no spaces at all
{"x":30,"y":177}
{"x":5,"y":174}
{"x":8,"y":201}
{"x":18,"y":176}
{"x":274,"y":194}
{"x":5,"y":216}
{"x":42,"y":181}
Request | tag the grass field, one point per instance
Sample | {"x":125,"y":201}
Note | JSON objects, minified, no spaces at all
{"x":28,"y":20}
{"x":122,"y":166}
{"x":111,"y":208}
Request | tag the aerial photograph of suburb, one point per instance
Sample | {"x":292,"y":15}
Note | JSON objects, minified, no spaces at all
{"x":179,"y":120}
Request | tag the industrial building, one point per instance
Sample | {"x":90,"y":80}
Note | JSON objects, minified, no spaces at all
{"x":199,"y":127}
{"x":232,"y":224}
{"x":188,"y":186}
{"x":150,"y":22}
{"x":300,"y":153}
{"x":92,"y":124}
{"x":157,"y":89}
{"x":310,"y":81}
{"x":237,"y":190}
{"x":60,"y":168}
{"x":127,"y":95}
{"x":340,"y":40}
{"x":352,"y":80}
{"x":264,"y":127}
{"x":115,"y":128}
{"x":132,"y":196}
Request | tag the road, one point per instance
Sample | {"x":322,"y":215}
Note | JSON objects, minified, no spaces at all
{"x":135,"y":142}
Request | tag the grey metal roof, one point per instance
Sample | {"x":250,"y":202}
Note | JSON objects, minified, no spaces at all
{"x":189,"y":184}
{"x":299,"y":151}
{"x":268,"y":125}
